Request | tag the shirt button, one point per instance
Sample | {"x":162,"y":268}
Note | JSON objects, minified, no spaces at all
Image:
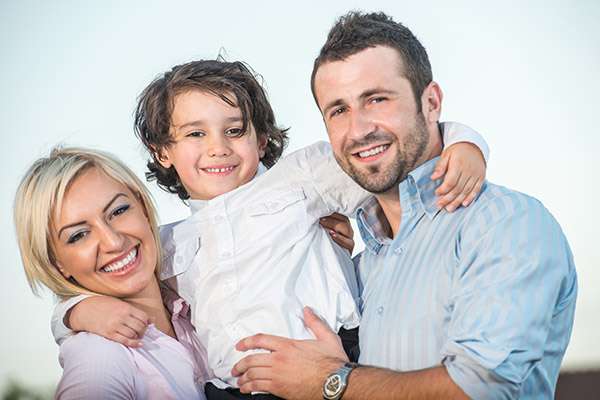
{"x":399,"y":250}
{"x":380,"y":310}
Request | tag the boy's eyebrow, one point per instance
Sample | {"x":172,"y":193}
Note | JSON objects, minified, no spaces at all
{"x":199,"y":122}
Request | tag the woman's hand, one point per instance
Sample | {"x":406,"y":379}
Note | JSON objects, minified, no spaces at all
{"x":339,"y":228}
{"x":464,"y":168}
{"x":109,"y":317}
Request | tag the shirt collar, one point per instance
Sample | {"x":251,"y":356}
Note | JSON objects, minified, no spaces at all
{"x":197,"y":205}
{"x":417,"y":196}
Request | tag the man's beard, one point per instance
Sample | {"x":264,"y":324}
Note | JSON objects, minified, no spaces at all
{"x":380,"y":178}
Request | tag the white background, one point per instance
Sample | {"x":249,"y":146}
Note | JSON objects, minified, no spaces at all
{"x":525,"y":74}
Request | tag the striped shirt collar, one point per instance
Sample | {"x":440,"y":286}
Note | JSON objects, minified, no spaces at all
{"x":417,"y":197}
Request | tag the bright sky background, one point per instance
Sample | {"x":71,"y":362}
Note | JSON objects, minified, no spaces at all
{"x":524,"y":74}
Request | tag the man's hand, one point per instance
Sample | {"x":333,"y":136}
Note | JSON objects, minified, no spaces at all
{"x":339,"y":228}
{"x":464,"y":168}
{"x":294,"y":369}
{"x":109,"y":317}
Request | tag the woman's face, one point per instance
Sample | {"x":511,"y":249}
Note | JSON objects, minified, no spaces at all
{"x":102,"y":238}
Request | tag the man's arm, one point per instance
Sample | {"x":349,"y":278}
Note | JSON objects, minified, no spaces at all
{"x":297,"y":369}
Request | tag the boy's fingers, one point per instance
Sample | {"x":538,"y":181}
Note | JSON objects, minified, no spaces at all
{"x":126,"y":341}
{"x":440,"y":167}
{"x":127,"y":332}
{"x":140,"y":315}
{"x":474,"y":192}
{"x":450,"y":181}
{"x":137,"y":326}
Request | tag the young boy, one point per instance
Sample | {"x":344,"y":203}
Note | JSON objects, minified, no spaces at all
{"x":252,"y":254}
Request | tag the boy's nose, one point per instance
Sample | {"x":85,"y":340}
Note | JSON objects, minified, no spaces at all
{"x":218,"y":147}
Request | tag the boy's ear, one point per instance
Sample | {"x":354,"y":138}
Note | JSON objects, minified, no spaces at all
{"x":262,"y":145}
{"x":163,"y":158}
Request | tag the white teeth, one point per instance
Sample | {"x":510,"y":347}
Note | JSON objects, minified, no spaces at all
{"x":372,"y":152}
{"x":215,"y":170}
{"x":121,"y":263}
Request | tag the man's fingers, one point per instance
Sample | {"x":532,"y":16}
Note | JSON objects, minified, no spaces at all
{"x":320,"y":329}
{"x":252,"y":361}
{"x":255,"y":373}
{"x":257,"y":386}
{"x":262,"y":341}
{"x":440,"y":167}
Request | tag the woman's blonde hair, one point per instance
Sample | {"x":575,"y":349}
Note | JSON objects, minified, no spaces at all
{"x":41,"y":192}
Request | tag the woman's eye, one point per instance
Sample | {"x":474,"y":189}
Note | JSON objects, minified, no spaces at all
{"x":76,"y":237}
{"x":120,"y":210}
{"x":234,"y":132}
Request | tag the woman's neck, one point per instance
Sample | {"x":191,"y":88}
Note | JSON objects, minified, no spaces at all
{"x":150,"y":301}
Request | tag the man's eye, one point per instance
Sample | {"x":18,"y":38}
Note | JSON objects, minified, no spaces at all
{"x":76,"y":237}
{"x":337,"y":111}
{"x":234,"y":132}
{"x":378,"y":99}
{"x":195,"y":134}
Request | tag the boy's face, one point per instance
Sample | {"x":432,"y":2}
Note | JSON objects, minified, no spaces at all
{"x":211,"y":153}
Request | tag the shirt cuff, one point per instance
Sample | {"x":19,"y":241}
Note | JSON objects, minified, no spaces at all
{"x":455,"y":132}
{"x":59,"y":329}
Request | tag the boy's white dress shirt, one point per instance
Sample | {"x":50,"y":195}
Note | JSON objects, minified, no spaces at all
{"x":249,"y":260}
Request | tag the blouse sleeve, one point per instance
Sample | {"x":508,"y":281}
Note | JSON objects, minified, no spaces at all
{"x":95,"y":368}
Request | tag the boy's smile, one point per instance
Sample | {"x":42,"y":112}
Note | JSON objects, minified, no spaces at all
{"x":211,"y":154}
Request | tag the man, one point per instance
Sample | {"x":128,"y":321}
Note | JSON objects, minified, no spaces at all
{"x":478,"y":303}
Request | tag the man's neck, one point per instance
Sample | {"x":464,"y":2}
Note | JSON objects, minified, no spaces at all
{"x":390,"y":200}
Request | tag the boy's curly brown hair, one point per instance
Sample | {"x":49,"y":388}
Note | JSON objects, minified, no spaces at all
{"x":221,"y":78}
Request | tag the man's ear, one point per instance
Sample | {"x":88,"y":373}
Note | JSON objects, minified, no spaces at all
{"x":431,"y":103}
{"x":262,"y":146}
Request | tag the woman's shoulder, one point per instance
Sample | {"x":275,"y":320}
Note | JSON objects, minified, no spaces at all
{"x":95,"y":367}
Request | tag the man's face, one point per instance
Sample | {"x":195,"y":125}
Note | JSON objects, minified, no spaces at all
{"x":371,"y":117}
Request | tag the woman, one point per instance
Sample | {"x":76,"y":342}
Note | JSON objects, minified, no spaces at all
{"x":86,"y":225}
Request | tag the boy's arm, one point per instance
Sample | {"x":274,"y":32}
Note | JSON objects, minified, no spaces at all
{"x":462,"y":164}
{"x":106,"y":316}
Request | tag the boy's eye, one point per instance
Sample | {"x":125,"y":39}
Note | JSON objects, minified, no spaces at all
{"x":195,"y":134}
{"x":234,"y":132}
{"x":76,"y":237}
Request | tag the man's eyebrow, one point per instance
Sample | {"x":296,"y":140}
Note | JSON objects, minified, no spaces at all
{"x":103,"y":210}
{"x":334,"y":103}
{"x":377,"y":90}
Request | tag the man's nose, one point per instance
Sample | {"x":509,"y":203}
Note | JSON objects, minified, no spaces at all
{"x":361,"y":124}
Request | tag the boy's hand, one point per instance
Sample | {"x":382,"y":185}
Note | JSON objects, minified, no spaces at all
{"x":339,"y":228}
{"x":109,"y":317}
{"x":464,"y":168}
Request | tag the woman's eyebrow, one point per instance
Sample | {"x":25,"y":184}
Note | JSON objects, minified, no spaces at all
{"x":115,"y":197}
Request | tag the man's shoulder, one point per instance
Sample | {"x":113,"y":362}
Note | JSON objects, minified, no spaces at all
{"x":502,"y":200}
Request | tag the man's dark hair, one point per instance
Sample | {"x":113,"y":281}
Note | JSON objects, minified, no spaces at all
{"x":155,"y":107}
{"x":357,"y":31}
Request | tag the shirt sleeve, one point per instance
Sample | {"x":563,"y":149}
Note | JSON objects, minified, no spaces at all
{"x":454,"y":132}
{"x":95,"y":368}
{"x":514,"y":275}
{"x":59,"y":330}
{"x":317,"y":164}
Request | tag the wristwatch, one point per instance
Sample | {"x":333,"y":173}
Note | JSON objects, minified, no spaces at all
{"x":336,"y":383}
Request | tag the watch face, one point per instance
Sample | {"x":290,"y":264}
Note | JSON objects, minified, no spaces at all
{"x":333,"y":386}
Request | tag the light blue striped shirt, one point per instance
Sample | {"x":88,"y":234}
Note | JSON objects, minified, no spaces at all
{"x":487,"y":291}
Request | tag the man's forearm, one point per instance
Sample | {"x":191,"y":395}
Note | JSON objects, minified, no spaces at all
{"x":378,"y":383}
